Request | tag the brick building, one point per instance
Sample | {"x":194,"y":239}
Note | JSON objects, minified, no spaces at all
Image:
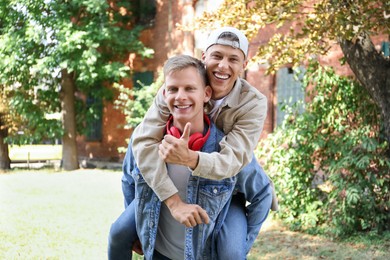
{"x":163,"y":36}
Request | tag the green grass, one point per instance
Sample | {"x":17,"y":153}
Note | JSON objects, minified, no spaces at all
{"x":35,"y":152}
{"x":57,"y":215}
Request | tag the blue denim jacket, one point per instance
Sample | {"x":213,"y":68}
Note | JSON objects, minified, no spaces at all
{"x":211,"y":195}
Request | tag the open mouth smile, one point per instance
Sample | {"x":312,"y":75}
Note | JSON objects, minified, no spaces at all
{"x":221,"y":76}
{"x":182,"y":106}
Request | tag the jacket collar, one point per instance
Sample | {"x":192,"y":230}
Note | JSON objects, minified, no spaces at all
{"x":233,"y":98}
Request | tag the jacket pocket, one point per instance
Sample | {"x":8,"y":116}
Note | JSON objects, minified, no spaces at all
{"x":213,"y":195}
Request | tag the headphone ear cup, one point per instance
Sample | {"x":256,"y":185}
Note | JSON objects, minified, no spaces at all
{"x":196,"y":141}
{"x":175,"y":132}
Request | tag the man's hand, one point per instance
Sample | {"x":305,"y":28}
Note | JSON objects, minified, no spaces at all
{"x":176,"y":151}
{"x":189,"y":215}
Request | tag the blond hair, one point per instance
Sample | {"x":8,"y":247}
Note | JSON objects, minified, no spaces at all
{"x":180,"y":62}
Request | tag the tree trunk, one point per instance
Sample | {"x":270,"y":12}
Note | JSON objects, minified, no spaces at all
{"x":5,"y":162}
{"x":69,"y":145}
{"x":372,"y":69}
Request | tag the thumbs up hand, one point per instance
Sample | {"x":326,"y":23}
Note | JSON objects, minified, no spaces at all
{"x":186,"y":133}
{"x":175,"y":150}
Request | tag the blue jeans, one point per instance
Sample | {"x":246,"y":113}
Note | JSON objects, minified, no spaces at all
{"x":231,"y":241}
{"x":122,"y":235}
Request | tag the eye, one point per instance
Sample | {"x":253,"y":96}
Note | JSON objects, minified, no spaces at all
{"x":190,"y":88}
{"x":171,"y":89}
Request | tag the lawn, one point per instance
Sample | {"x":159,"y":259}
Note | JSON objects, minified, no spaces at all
{"x":49,"y":215}
{"x":57,"y":215}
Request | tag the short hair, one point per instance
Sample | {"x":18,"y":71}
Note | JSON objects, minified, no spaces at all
{"x":180,"y":62}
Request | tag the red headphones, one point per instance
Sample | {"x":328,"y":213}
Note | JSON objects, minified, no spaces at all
{"x":196,"y":140}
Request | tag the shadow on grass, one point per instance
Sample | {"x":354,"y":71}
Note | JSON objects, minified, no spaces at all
{"x":276,"y":242}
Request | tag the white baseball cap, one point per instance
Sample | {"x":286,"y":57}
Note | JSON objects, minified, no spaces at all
{"x":215,"y":38}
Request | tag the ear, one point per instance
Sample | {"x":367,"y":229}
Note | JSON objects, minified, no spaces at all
{"x":207,"y":93}
{"x":164,"y":92}
{"x":244,"y":64}
{"x":203,"y":56}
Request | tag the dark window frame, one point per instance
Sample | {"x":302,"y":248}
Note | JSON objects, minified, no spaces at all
{"x":94,"y":131}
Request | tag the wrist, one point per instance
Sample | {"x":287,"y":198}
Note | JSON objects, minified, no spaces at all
{"x":193,"y":159}
{"x":173,"y":201}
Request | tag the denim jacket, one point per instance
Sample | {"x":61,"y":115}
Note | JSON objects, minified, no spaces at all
{"x":213,"y":196}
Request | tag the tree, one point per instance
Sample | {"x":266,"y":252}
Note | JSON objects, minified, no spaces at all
{"x":310,"y":28}
{"x":5,"y":162}
{"x":51,"y":50}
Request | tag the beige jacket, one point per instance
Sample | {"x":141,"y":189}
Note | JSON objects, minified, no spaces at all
{"x":241,"y":118}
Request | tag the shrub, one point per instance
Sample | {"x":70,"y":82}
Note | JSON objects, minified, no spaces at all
{"x":135,"y":102}
{"x":329,"y":164}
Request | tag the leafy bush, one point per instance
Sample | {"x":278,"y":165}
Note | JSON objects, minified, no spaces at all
{"x":135,"y":102}
{"x":329,"y":163}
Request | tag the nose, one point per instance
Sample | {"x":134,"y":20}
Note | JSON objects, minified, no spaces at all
{"x":181,"y":94}
{"x":224,"y":63}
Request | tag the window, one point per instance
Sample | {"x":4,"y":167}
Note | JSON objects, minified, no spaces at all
{"x":145,"y":12}
{"x":141,"y":79}
{"x":94,"y":119}
{"x":289,"y":91}
{"x":386,"y":49}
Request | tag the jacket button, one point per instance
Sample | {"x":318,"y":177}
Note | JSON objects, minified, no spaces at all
{"x":215,"y":191}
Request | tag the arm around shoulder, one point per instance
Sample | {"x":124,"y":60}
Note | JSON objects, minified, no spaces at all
{"x":146,"y":139}
{"x":242,"y":125}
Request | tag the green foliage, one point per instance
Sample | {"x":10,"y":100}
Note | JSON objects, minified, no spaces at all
{"x":135,"y":102}
{"x":329,"y":163}
{"x":35,"y":125}
{"x":40,"y":40}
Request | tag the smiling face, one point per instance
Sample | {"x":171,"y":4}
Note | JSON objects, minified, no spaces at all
{"x":223,"y":65}
{"x":185,"y":94}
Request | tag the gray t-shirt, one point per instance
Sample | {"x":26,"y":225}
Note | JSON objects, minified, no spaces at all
{"x":170,"y":233}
